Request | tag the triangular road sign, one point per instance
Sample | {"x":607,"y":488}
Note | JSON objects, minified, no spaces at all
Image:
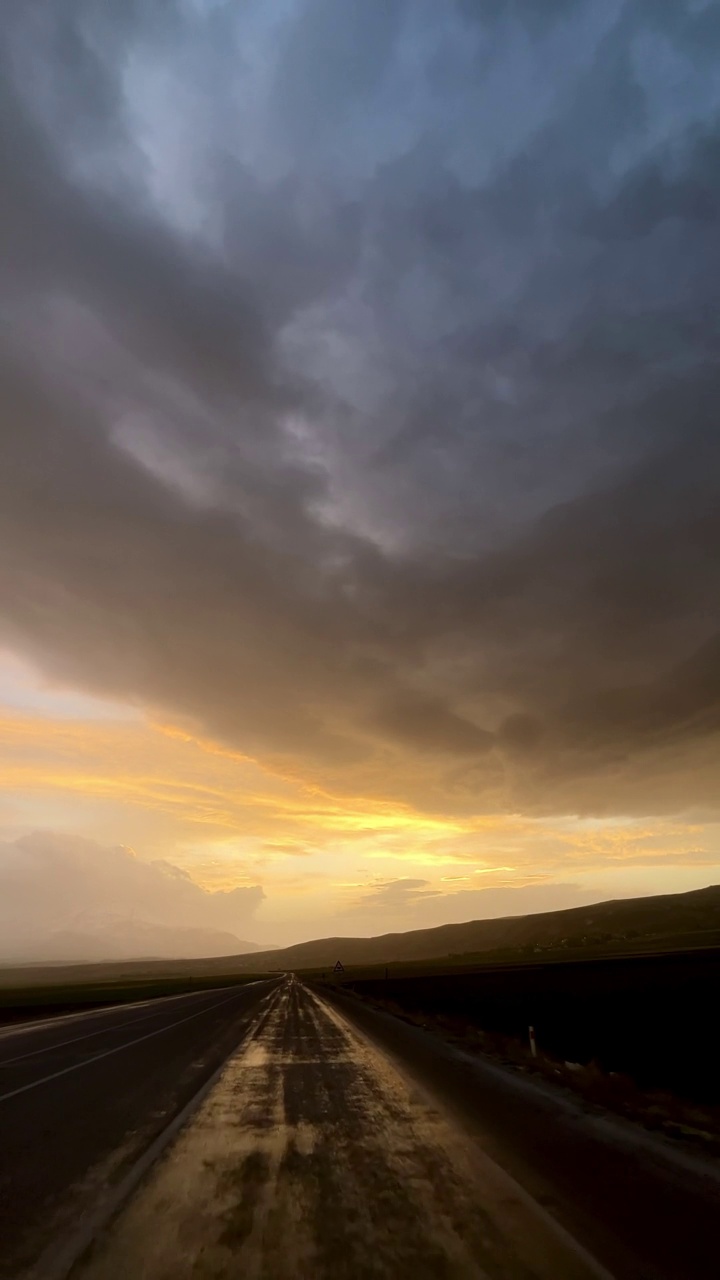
{"x":339,"y":968}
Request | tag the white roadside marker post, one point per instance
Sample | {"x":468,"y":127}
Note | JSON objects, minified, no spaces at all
{"x":533,"y":1046}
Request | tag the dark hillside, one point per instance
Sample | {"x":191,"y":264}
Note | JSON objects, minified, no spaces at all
{"x":687,"y":915}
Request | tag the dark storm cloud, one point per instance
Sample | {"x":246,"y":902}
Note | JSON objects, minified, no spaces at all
{"x":360,"y":384}
{"x":427,"y":724}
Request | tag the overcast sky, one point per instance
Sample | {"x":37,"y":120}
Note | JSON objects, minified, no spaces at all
{"x":360,"y":463}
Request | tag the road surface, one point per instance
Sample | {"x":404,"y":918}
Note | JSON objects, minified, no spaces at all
{"x":335,"y":1143}
{"x":322,"y":1156}
{"x":82,"y":1096}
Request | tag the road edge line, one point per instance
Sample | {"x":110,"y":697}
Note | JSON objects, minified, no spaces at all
{"x":58,"y":1261}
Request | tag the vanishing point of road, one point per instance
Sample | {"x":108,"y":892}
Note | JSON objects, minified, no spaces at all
{"x":276,"y":1133}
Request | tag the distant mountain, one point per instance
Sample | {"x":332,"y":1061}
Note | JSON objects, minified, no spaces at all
{"x":126,"y":940}
{"x":667,"y":915}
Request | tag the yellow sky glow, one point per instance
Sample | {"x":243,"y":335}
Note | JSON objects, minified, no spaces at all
{"x":231,"y":820}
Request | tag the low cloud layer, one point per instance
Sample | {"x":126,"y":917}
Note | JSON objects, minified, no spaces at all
{"x":359,"y":386}
{"x":66,"y":898}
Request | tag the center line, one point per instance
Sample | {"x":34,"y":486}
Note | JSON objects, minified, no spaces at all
{"x":25,"y":1088}
{"x":102,"y":1031}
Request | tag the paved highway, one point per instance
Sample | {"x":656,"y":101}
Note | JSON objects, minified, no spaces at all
{"x":336,"y":1142}
{"x":339,"y":1144}
{"x":82,"y":1096}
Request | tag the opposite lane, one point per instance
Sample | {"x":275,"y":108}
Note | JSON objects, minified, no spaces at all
{"x":77,"y":1109}
{"x":34,"y":1067}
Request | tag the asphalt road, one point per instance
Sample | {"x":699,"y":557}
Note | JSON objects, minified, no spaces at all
{"x":327,"y":1152}
{"x":82,"y":1096}
{"x":338,"y":1143}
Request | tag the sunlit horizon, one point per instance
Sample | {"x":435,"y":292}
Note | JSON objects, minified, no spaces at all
{"x":89,"y":769}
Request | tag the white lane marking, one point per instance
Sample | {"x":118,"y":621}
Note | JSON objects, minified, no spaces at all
{"x":42,"y":1024}
{"x":59,"y":1260}
{"x":25,"y":1088}
{"x":102,"y":1031}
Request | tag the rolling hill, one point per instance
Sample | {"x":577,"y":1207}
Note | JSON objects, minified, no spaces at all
{"x":662,"y":916}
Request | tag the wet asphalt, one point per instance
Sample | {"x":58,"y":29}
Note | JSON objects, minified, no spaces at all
{"x":81,"y":1097}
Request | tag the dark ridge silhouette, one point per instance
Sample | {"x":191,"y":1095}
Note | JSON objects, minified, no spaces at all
{"x":668,"y":916}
